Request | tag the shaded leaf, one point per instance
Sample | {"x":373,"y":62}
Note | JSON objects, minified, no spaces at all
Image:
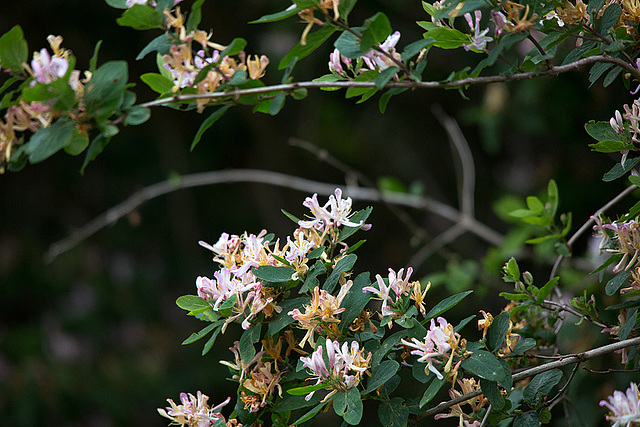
{"x":207,"y":123}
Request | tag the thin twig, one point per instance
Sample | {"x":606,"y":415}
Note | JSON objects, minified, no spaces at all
{"x":270,"y":178}
{"x":486,"y":416}
{"x":580,"y":357}
{"x":589,"y":223}
{"x":290,"y":87}
{"x":555,"y":399}
{"x":569,"y":309}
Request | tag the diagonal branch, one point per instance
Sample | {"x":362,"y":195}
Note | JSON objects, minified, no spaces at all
{"x":271,"y":178}
{"x":568,"y":360}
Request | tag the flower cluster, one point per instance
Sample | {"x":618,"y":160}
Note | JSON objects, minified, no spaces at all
{"x":624,"y":236}
{"x":379,"y":59}
{"x":467,"y":385}
{"x":32,"y":116}
{"x":479,"y":39}
{"x":193,"y":411}
{"x":439,"y":343}
{"x":347,"y":364}
{"x":624,"y":407}
{"x":396,"y":283}
{"x":185,"y":65}
{"x":632,"y":114}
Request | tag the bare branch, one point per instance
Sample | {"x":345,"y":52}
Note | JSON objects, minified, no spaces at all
{"x":270,"y":178}
{"x":290,"y":87}
{"x":568,"y":360}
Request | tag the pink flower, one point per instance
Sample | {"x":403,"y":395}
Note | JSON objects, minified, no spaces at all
{"x":624,"y":407}
{"x":479,"y":39}
{"x":47,"y":69}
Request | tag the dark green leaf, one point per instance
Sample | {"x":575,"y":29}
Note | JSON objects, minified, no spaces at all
{"x":234,"y":47}
{"x":104,"y":92}
{"x":314,"y":41}
{"x":610,"y":17}
{"x":598,"y":70}
{"x":356,"y":300}
{"x":356,"y":218}
{"x":199,"y":335}
{"x":278,"y":16}
{"x":277,"y":104}
{"x":620,"y":169}
{"x":375,"y":31}
{"x":625,"y":330}
{"x":212,"y":339}
{"x":491,"y":391}
{"x":349,"y":44}
{"x":14,"y":50}
{"x":271,"y":273}
{"x":610,"y":146}
{"x":207,"y":123}
{"x":247,"y":340}
{"x":348,"y":405}
{"x":161,"y":44}
{"x":312,"y":277}
{"x":386,"y":75}
{"x":309,"y":415}
{"x":48,"y":141}
{"x":299,"y":391}
{"x":95,"y":148}
{"x":541,"y":385}
{"x":523,"y":345}
{"x":611,"y":76}
{"x":194,"y":18}
{"x":137,"y":115}
{"x":498,"y":331}
{"x":446,"y":304}
{"x":346,"y":263}
{"x":485,"y":365}
{"x":434,"y":386}
{"x":617,"y":282}
{"x":414,"y":48}
{"x":381,"y":374}
{"x":118,"y":4}
{"x":527,"y":419}
{"x":602,"y":131}
{"x":141,"y":17}
{"x":393,"y":413}
{"x":282,"y":319}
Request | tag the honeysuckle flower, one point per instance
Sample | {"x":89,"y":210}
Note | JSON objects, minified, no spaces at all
{"x":626,"y":238}
{"x":418,"y":296}
{"x":485,"y":323}
{"x":336,"y":59}
{"x":439,"y":341}
{"x":500,"y":22}
{"x":552,"y":15}
{"x":467,"y":385}
{"x":399,"y":285}
{"x":47,"y":69}
{"x":335,"y":213}
{"x":376,"y":60}
{"x":257,"y":66}
{"x":616,"y":122}
{"x":264,"y":382}
{"x":193,"y":411}
{"x":479,"y":39}
{"x":624,"y":407}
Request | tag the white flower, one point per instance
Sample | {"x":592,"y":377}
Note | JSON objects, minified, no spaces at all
{"x":624,"y":407}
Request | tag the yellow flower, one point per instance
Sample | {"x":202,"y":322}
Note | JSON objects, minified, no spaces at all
{"x":485,"y":323}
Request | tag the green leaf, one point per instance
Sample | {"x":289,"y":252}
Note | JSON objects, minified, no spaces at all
{"x":314,"y":41}
{"x":534,"y":204}
{"x":118,"y":4}
{"x":610,"y":17}
{"x":630,"y":324}
{"x":491,"y":391}
{"x":346,"y":263}
{"x":514,"y":297}
{"x":602,"y":131}
{"x":104,"y":92}
{"x":348,"y":405}
{"x":617,"y":282}
{"x":432,"y":389}
{"x":274,"y":274}
{"x":212,"y":339}
{"x":527,"y":419}
{"x":375,"y":31}
{"x":77,"y":144}
{"x":393,"y":413}
{"x":349,"y":44}
{"x":498,"y":331}
{"x":597,"y":71}
{"x":412,"y":49}
{"x":356,"y":300}
{"x":291,"y":216}
{"x":381,"y":374}
{"x":234,"y":47}
{"x":362,"y":215}
{"x":207,"y":123}
{"x":309,"y":415}
{"x":635,"y":180}
{"x":161,"y":44}
{"x":485,"y":365}
{"x":610,"y":146}
{"x":620,"y":169}
{"x":277,"y":104}
{"x":386,"y":75}
{"x":191,"y":302}
{"x":199,"y":335}
{"x":446,"y":304}
{"x":137,"y":115}
{"x":312,"y":281}
{"x":58,"y":91}
{"x":445,"y":38}
{"x":541,"y":385}
{"x":278,"y":16}
{"x":194,"y":18}
{"x":141,"y":17}
{"x":14,"y":50}
{"x":299,"y":391}
{"x":546,"y":290}
{"x":282,"y":319}
{"x":95,"y":148}
{"x":48,"y":141}
{"x":247,"y":340}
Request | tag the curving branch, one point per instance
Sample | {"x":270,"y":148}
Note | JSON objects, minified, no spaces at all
{"x":271,"y":178}
{"x":564,"y":361}
{"x":290,"y":87}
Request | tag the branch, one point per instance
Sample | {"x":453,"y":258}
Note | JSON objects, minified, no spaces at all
{"x":271,"y":178}
{"x":290,"y":87}
{"x":568,"y":360}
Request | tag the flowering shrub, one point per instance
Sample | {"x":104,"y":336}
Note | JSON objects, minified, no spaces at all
{"x":315,"y":333}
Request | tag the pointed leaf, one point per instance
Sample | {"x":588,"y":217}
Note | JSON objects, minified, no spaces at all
{"x":208,"y":122}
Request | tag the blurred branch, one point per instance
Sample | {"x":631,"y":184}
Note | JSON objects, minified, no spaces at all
{"x":567,"y":360}
{"x":270,"y":178}
{"x":290,"y":87}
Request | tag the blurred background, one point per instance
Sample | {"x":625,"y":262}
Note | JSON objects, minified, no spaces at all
{"x":93,"y":337}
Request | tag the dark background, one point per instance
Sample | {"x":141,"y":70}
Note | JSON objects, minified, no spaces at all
{"x":93,"y":338}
